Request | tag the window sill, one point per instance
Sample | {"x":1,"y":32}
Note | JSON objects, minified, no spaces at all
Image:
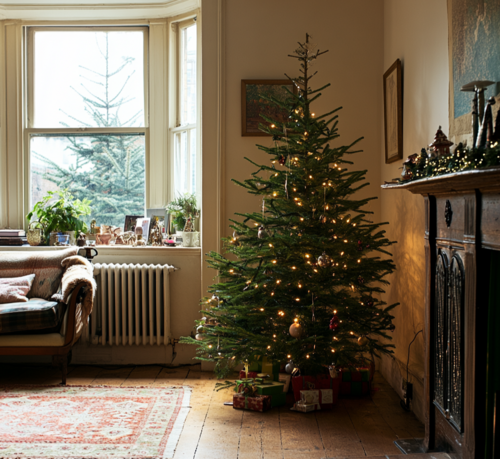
{"x":116,"y":250}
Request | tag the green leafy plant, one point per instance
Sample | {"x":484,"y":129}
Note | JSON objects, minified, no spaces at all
{"x":181,"y":208}
{"x":59,"y":211}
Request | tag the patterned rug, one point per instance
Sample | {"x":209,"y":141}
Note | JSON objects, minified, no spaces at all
{"x":91,"y":422}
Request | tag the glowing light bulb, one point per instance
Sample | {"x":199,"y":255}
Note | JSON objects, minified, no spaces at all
{"x":269,"y":347}
{"x":293,"y":267}
{"x":333,"y":350}
{"x":297,"y":299}
{"x":335,"y":311}
{"x":270,"y":245}
{"x":300,"y":285}
{"x":231,"y":270}
{"x":262,"y":309}
{"x":275,"y":261}
{"x":301,"y":219}
{"x":307,"y":255}
{"x":278,"y":281}
{"x":295,"y":320}
{"x":210,"y":346}
{"x":288,"y":356}
{"x":307,"y":356}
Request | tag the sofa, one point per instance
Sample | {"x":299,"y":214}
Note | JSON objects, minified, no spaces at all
{"x":52,"y":316}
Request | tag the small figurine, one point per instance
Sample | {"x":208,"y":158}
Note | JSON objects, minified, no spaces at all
{"x":94,"y":229}
{"x":82,"y":240}
{"x":156,"y":236}
{"x":140,"y":242}
{"x":407,"y":174}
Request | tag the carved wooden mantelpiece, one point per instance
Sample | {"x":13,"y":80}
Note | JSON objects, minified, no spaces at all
{"x":462,"y":220}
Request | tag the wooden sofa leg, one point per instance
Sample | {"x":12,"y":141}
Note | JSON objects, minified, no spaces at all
{"x":62,"y":362}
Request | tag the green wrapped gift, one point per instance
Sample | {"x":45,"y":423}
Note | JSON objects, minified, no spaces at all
{"x":272,"y":388}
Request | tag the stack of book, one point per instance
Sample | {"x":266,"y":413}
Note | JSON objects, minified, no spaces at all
{"x":12,"y":237}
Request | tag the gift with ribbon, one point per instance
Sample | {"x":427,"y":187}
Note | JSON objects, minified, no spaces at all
{"x":300,"y":383}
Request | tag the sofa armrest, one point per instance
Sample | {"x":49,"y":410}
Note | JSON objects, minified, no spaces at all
{"x":75,"y":298}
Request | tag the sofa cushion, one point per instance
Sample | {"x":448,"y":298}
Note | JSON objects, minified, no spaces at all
{"x":45,"y":264}
{"x":15,"y":289}
{"x":35,"y":316}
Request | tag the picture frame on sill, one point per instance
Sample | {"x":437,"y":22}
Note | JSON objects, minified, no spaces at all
{"x":253,"y":105}
{"x":131,"y":222}
{"x":393,"y":113}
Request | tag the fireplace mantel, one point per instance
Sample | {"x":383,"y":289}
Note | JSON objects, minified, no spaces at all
{"x":462,"y":225}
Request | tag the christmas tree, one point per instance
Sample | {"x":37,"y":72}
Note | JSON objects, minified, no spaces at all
{"x":109,"y":168}
{"x":300,"y":281}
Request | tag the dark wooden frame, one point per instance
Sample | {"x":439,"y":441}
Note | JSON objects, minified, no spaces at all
{"x":396,"y":67}
{"x":474,"y":197}
{"x":244,"y":84}
{"x":60,"y":355}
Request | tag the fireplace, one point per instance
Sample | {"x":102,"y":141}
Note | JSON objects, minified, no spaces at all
{"x":462,"y":247}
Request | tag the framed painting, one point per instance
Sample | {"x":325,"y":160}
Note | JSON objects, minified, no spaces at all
{"x":253,"y":105}
{"x":474,"y":54}
{"x":393,"y":113}
{"x":131,"y":222}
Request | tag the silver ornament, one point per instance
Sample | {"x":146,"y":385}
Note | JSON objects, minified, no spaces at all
{"x":324,"y":260}
{"x":289,"y":367}
{"x":262,"y":232}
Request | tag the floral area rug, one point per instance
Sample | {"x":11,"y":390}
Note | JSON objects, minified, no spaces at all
{"x":91,"y":422}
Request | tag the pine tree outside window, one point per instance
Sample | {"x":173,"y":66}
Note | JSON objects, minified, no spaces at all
{"x":87,"y":117}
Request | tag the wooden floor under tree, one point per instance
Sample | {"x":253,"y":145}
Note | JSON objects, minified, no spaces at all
{"x":355,"y":428}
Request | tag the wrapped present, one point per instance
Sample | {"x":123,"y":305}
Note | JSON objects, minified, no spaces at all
{"x":263,"y":365}
{"x":321,"y":398}
{"x":356,"y":382}
{"x":258,"y":403}
{"x":314,"y":383}
{"x":304,"y":407}
{"x":271,"y":388}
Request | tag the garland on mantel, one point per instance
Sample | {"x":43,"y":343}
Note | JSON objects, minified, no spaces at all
{"x":418,"y":167}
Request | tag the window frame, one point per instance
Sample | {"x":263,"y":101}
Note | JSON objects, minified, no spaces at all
{"x":176,"y":128}
{"x":29,"y":74}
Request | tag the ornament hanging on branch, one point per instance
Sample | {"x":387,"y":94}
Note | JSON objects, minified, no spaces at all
{"x":295,"y":330}
{"x":334,"y":323}
{"x":324,"y":261}
{"x":362,"y":341}
{"x":289,"y":367}
{"x":282,"y":160}
{"x":261,"y":233}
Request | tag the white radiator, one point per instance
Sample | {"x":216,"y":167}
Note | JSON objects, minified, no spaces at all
{"x":132,"y":304}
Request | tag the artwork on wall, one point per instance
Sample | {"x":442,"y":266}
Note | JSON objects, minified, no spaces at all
{"x":474,"y":35}
{"x":393,"y":113}
{"x":253,"y":105}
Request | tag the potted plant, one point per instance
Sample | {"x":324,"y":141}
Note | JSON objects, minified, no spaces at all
{"x":60,"y":213}
{"x":181,"y":208}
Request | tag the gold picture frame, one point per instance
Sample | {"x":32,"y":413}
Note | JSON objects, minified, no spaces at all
{"x":393,"y":113}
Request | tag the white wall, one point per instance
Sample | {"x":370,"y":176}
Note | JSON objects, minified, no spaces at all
{"x":416,"y":33}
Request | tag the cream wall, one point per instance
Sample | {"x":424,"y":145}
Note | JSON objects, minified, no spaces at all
{"x":416,"y":33}
{"x":258,"y":36}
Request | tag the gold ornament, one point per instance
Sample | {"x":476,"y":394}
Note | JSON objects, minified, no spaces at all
{"x":295,"y":330}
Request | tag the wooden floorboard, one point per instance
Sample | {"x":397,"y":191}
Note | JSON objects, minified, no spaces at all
{"x":356,"y":427}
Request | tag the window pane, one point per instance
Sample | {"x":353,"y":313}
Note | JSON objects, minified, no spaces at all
{"x":88,"y":79}
{"x":192,"y":147}
{"x":107,"y":169}
{"x":188,"y":75}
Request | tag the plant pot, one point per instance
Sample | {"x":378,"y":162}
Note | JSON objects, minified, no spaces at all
{"x":54,"y":237}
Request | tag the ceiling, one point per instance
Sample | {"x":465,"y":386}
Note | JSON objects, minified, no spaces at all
{"x":93,"y":9}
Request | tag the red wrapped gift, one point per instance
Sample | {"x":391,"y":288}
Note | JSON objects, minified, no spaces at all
{"x":258,"y":403}
{"x":316,"y":382}
{"x":251,"y":374}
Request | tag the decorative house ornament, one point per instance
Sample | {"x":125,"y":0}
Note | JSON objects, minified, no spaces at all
{"x":440,"y":146}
